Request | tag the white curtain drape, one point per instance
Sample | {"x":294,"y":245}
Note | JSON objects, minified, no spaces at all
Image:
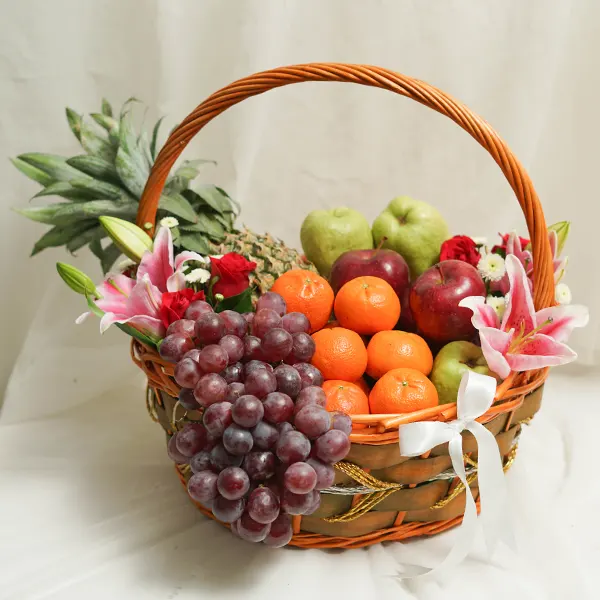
{"x":532,"y":69}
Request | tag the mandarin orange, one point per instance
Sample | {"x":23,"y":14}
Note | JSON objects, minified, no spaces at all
{"x":339,"y":354}
{"x":402,"y":391}
{"x":389,"y":350}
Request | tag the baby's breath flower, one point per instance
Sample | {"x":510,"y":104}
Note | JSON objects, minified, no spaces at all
{"x":169,"y":222}
{"x":498,"y":303}
{"x":491,"y":267}
{"x":562,"y":293}
{"x":480,"y":241}
{"x":217,"y":256}
{"x":198,"y":276}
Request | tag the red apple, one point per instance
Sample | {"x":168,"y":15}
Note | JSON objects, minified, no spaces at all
{"x":386,"y":264}
{"x":434,"y":299}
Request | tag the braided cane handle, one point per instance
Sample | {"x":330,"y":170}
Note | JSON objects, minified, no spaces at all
{"x":375,"y":77}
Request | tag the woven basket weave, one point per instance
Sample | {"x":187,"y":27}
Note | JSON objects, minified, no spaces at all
{"x":390,"y":497}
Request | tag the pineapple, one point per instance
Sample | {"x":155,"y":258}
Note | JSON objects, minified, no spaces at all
{"x":108,"y":180}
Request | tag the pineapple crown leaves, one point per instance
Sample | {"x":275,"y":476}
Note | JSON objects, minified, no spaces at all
{"x":108,"y":178}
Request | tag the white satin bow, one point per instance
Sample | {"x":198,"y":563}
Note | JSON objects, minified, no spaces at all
{"x":475,"y":396}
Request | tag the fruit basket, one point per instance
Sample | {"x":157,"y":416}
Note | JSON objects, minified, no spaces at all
{"x":225,"y":380}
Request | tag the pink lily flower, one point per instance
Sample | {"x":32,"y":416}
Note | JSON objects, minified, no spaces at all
{"x":524,"y":339}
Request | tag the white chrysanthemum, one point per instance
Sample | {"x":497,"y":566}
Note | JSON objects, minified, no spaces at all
{"x":480,"y":241}
{"x":562,"y":293}
{"x":169,"y":222}
{"x":198,"y":276}
{"x":498,"y":303}
{"x":492,"y":267}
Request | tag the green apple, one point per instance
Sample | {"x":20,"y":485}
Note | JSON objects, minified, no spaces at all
{"x":414,"y":229}
{"x":452,"y":361}
{"x":325,"y":234}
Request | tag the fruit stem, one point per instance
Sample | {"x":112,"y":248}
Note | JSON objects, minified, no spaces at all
{"x":381,"y":242}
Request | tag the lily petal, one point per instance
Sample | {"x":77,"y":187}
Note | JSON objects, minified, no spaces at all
{"x":149,"y":325}
{"x":494,"y":345}
{"x":145,"y":299}
{"x":158,"y":264}
{"x":520,"y":312}
{"x":540,"y":351}
{"x":562,"y":320}
{"x":81,"y":318}
{"x":176,"y":282}
{"x":483,"y":314}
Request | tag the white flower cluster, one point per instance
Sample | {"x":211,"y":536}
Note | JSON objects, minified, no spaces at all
{"x":498,"y":303}
{"x":491,"y":267}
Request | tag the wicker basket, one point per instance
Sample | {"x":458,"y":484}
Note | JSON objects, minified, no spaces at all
{"x":395,"y":497}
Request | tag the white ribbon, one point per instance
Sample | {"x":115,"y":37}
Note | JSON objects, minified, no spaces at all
{"x":475,"y":396}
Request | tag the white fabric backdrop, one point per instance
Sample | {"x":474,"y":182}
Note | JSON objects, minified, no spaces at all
{"x":90,"y":505}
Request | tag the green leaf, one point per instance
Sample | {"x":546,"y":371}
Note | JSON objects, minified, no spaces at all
{"x":194,"y":243}
{"x":106,"y":108}
{"x":189,"y":169}
{"x":241,"y":303}
{"x":67,"y":213}
{"x":111,"y":125}
{"x":82,"y":239}
{"x":154,"y":139}
{"x":60,"y":235}
{"x":95,"y":141}
{"x":51,"y":164}
{"x":226,"y":220}
{"x":212,"y":227}
{"x":177,"y":205}
{"x":43,"y":214}
{"x":74,"y":120}
{"x":110,"y":255}
{"x":215,"y":197}
{"x":96,"y":167}
{"x":65,"y":190}
{"x":131,"y":165}
{"x":125,"y":107}
{"x":101,"y":189}
{"x":32,"y":172}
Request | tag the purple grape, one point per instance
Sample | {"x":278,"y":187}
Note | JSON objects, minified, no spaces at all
{"x":296,"y":504}
{"x":191,"y":439}
{"x":213,"y":358}
{"x":173,"y":453}
{"x":312,"y":421}
{"x":265,"y":320}
{"x":233,"y":346}
{"x":300,"y":478}
{"x":202,"y":486}
{"x":187,"y":372}
{"x":341,"y":421}
{"x":314,"y":504}
{"x":281,"y":532}
{"x":233,"y":373}
{"x":173,"y":347}
{"x":237,"y":440}
{"x":278,"y":407}
{"x":263,"y":505}
{"x":194,"y":353}
{"x":248,"y":317}
{"x":217,"y":417}
{"x":296,"y":322}
{"x":292,"y":447}
{"x":252,"y":348}
{"x":309,"y":374}
{"x":303,"y":348}
{"x":235,"y":324}
{"x":260,"y":466}
{"x":233,"y":483}
{"x":234,"y":391}
{"x":227,"y":511}
{"x":284,"y":427}
{"x":255,"y":365}
{"x":310,"y":396}
{"x":273,"y":301}
{"x":265,"y":435}
{"x":325,"y":473}
{"x":247,"y":411}
{"x":250,"y":530}
{"x":196,"y":309}
{"x":210,"y":389}
{"x":288,"y":380}
{"x":187,"y":400}
{"x":200,"y":461}
{"x":332,"y":446}
{"x":221,"y":459}
{"x":261,"y":382}
{"x":185,"y":327}
{"x":210,"y":328}
{"x":276,"y":344}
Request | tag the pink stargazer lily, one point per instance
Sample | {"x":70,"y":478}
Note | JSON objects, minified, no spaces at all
{"x":524,"y":339}
{"x":137,"y":302}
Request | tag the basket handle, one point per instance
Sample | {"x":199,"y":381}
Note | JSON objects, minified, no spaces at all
{"x":376,"y":77}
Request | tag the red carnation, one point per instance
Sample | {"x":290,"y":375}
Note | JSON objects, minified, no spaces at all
{"x":460,"y":247}
{"x":174,"y":304}
{"x":233,"y":271}
{"x":502,"y":247}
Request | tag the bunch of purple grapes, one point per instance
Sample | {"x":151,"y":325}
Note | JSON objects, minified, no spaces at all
{"x":266,"y":444}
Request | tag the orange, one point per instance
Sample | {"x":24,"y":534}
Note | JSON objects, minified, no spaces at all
{"x":367,"y":305}
{"x":389,"y":350}
{"x":402,"y":391}
{"x":362,"y":384}
{"x":346,"y":397}
{"x":339,"y":354}
{"x":308,"y":293}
